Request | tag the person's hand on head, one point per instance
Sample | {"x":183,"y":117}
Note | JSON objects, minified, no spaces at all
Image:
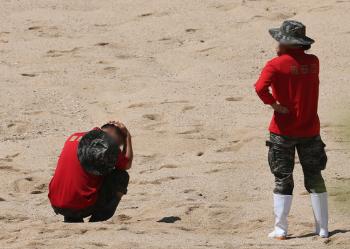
{"x":121,"y":126}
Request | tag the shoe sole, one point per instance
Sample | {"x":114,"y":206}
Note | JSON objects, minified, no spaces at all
{"x":281,"y":238}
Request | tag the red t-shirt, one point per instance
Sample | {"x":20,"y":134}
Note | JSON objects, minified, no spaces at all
{"x":294,"y":81}
{"x":71,"y":186}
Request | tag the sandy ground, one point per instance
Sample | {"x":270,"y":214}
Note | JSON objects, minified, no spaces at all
{"x":180,"y":75}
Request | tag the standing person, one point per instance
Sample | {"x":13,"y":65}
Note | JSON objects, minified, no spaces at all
{"x":91,"y":178}
{"x":293,"y":78}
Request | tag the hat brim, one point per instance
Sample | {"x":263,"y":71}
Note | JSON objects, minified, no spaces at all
{"x":289,"y":40}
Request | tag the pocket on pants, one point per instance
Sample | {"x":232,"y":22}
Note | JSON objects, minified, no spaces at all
{"x":280,"y":158}
{"x":313,"y":155}
{"x":271,"y":159}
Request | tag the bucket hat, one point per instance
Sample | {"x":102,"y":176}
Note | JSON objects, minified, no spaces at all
{"x":97,"y":152}
{"x":291,"y":33}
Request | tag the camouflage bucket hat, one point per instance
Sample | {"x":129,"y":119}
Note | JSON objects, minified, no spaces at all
{"x":291,"y":33}
{"x":97,"y":152}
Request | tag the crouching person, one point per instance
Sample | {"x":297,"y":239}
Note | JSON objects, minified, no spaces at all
{"x":91,"y":178}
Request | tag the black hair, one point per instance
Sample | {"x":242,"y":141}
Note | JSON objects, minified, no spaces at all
{"x":305,"y":47}
{"x":97,"y":152}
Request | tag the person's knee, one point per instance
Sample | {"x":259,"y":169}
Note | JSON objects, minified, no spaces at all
{"x":122,"y":179}
{"x":127,"y":177}
{"x":284,"y":189}
{"x":314,"y":183}
{"x":312,"y":156}
{"x":284,"y":184}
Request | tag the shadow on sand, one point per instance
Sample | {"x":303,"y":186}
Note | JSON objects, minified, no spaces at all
{"x":331,"y":233}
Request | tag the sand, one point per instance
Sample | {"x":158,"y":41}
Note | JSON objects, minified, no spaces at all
{"x":180,"y":75}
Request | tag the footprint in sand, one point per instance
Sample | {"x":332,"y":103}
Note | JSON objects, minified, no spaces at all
{"x":102,"y":44}
{"x":125,"y":56}
{"x":145,"y":15}
{"x":230,"y":99}
{"x":151,"y":170}
{"x":13,"y":218}
{"x":8,"y":168}
{"x":9,"y":158}
{"x":174,"y":102}
{"x":200,"y":153}
{"x":233,"y":148}
{"x":39,"y":188}
{"x":172,"y":41}
{"x":188,"y":108}
{"x":18,"y":130}
{"x":249,"y":225}
{"x":197,"y":129}
{"x":35,"y":245}
{"x":157,"y":14}
{"x":123,"y":218}
{"x":140,"y":105}
{"x":100,"y":25}
{"x":146,"y":159}
{"x":30,"y":185}
{"x":3,"y":37}
{"x":236,"y":145}
{"x":321,"y":8}
{"x":153,"y":117}
{"x":190,"y":30}
{"x":97,"y":244}
{"x":188,"y":132}
{"x":6,"y":159}
{"x":206,"y":49}
{"x":4,"y":34}
{"x":191,"y":209}
{"x":168,"y":166}
{"x":216,"y":170}
{"x":186,"y":229}
{"x":159,"y":181}
{"x":186,"y":191}
{"x":28,"y":74}
{"x":32,"y":113}
{"x":108,"y":71}
{"x":282,"y":16}
{"x":46,"y":31}
{"x":225,"y":7}
{"x":59,"y":53}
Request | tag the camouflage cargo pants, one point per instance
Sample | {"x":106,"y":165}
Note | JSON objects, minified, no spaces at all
{"x":312,"y":157}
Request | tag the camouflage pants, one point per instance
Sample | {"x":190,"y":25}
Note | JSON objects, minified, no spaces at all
{"x":312,"y":157}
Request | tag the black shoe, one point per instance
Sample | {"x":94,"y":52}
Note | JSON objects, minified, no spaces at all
{"x":73,"y":220}
{"x":106,"y":212}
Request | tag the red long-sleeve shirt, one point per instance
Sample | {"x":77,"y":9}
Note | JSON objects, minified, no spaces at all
{"x":294,"y":81}
{"x":71,"y":186}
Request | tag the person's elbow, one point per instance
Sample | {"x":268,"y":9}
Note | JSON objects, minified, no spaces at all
{"x":129,"y":164}
{"x":264,"y":94}
{"x":259,"y":89}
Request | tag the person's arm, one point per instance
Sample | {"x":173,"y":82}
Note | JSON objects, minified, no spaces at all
{"x":262,"y":88}
{"x":128,"y":151}
{"x":127,"y":146}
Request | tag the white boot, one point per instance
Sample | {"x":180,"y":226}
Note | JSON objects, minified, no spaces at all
{"x":319,"y":203}
{"x":282,"y":205}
